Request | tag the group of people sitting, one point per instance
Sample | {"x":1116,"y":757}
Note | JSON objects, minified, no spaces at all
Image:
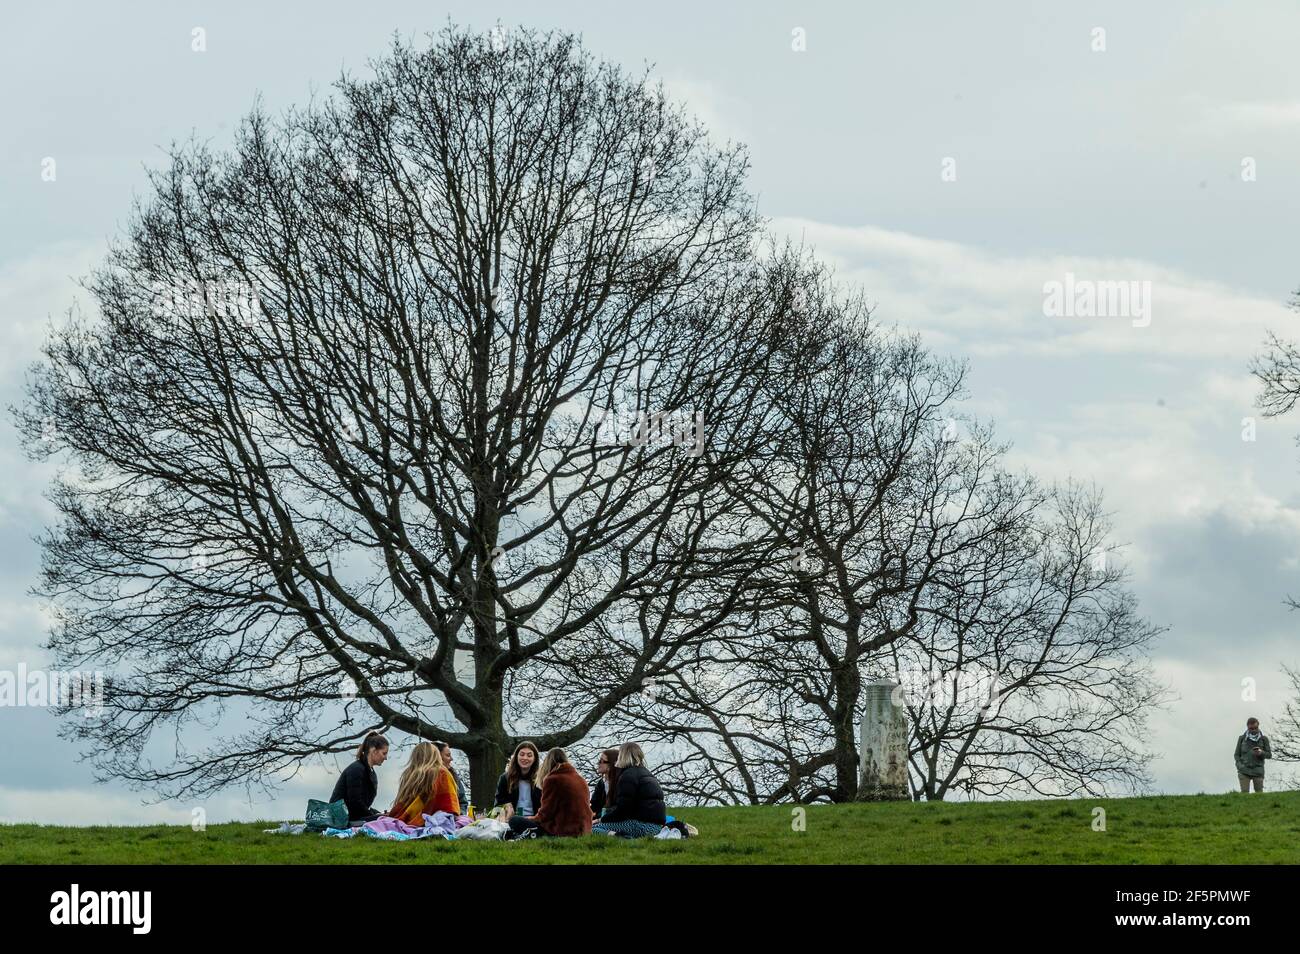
{"x":536,"y":794}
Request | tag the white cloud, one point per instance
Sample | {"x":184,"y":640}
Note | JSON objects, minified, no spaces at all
{"x":988,"y":304}
{"x":23,"y":627}
{"x":1265,"y":114}
{"x":33,"y":291}
{"x":1097,"y":418}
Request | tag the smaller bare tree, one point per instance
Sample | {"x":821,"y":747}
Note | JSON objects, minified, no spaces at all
{"x":1029,"y":673}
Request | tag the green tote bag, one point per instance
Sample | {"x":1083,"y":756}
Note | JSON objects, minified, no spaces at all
{"x":322,"y":815}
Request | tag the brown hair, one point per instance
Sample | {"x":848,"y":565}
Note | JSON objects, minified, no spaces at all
{"x":611,"y":775}
{"x":513,"y":775}
{"x":372,"y":741}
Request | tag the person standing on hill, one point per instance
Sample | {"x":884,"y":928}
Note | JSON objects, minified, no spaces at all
{"x":1251,"y":751}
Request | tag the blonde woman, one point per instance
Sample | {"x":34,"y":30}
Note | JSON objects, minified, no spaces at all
{"x":426,"y":787}
{"x":639,"y":810}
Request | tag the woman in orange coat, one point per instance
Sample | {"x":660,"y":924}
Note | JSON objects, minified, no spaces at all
{"x":426,"y":787}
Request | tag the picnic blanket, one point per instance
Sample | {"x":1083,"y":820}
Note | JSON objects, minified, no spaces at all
{"x":437,"y":825}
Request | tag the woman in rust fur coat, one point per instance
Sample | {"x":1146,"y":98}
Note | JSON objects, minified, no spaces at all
{"x":565,"y":811}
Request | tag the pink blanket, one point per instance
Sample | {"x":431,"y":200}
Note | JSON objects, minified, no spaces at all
{"x":438,"y":825}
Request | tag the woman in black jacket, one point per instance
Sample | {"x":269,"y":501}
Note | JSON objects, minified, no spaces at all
{"x":517,"y":790}
{"x":639,"y":810}
{"x":359,"y":784}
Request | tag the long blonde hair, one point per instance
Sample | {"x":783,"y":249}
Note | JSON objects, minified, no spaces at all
{"x":420,"y":777}
{"x":554,"y":757}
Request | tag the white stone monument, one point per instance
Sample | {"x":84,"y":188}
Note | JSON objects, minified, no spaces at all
{"x":883,"y":746}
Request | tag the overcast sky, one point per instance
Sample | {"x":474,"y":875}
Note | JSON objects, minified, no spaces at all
{"x":1121,"y":164}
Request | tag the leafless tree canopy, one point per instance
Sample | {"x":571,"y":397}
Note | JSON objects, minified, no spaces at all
{"x":1032,"y":665}
{"x":473,"y":402}
{"x":385,"y":473}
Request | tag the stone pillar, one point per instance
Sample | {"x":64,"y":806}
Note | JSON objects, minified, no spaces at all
{"x":883,"y":746}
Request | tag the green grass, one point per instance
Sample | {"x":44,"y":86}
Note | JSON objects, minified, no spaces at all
{"x":1188,"y":829}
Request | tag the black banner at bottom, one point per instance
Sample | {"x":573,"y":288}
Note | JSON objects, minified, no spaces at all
{"x":142,"y":905}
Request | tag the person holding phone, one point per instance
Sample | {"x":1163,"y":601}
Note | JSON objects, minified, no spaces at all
{"x":1251,"y":751}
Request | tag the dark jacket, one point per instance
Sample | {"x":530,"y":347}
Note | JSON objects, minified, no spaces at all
{"x":565,"y":810}
{"x":639,"y":798}
{"x":357,"y":786}
{"x":507,"y":794}
{"x":598,"y":798}
{"x":1248,"y":763}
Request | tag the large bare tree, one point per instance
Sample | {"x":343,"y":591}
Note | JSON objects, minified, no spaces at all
{"x":400,"y":399}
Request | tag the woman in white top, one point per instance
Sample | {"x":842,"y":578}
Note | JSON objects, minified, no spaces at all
{"x":517,"y":789}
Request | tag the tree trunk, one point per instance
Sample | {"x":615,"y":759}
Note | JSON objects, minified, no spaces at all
{"x":488,"y":760}
{"x":846,"y":759}
{"x":485,"y":766}
{"x":847,"y":770}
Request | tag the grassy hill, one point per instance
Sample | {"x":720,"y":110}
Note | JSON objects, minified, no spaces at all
{"x":1187,"y":829}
